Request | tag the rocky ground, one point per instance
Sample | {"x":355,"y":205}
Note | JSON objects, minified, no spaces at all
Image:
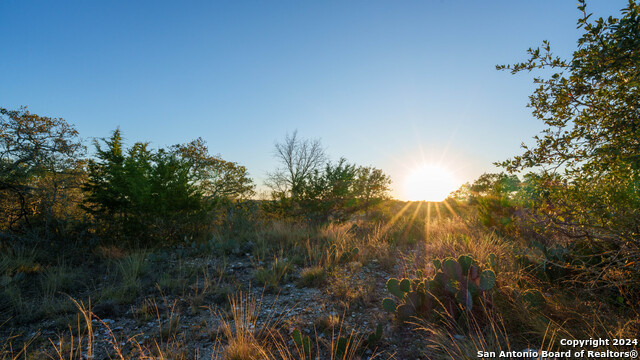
{"x":348,"y":302}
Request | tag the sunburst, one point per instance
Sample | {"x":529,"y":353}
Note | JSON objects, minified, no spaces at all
{"x":429,"y":182}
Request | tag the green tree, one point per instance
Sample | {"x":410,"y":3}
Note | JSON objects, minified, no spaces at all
{"x":493,"y":195}
{"x":590,"y":104}
{"x":371,"y":187}
{"x":107,"y":186}
{"x":330,"y":193}
{"x":342,"y":189}
{"x":305,"y":185}
{"x":216,"y":178}
{"x":40,"y":159}
{"x":500,"y":185}
{"x":142,"y":195}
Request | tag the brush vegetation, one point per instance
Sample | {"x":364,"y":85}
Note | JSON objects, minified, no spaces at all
{"x":135,"y":252}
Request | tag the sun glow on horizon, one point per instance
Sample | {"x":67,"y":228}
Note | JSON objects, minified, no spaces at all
{"x":429,"y":182}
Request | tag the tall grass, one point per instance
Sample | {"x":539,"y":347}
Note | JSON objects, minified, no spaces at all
{"x":401,"y":245}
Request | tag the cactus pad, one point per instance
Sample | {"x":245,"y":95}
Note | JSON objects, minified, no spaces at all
{"x":465,"y":262}
{"x":393,"y":285}
{"x":437,"y":264}
{"x":492,"y":260}
{"x":451,"y":268}
{"x":405,"y":311}
{"x":405,"y":285}
{"x":389,"y":305}
{"x":487,"y":280}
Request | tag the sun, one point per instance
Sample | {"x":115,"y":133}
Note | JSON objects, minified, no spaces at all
{"x":429,"y":182}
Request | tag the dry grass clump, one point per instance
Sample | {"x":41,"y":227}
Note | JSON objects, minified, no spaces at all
{"x":328,"y":322}
{"x":451,"y":340}
{"x":241,"y":330}
{"x":285,"y":235}
{"x":485,"y":331}
{"x":81,"y":343}
{"x":338,"y":233}
{"x":450,"y":238}
{"x":249,"y":338}
{"x":312,"y":276}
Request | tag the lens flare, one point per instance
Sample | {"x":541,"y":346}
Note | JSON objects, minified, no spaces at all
{"x":429,"y":182}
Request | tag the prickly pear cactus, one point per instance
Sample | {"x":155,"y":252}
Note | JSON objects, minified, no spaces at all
{"x":376,"y":336}
{"x":393,"y":285}
{"x":412,"y":296}
{"x":456,"y":284}
{"x":405,"y":311}
{"x":389,"y":305}
{"x":465,"y":262}
{"x":487,"y":280}
{"x":451,"y":268}
{"x":342,"y":346}
{"x":437,"y":264}
{"x":302,"y":341}
{"x":405,"y":285}
{"x":338,"y":256}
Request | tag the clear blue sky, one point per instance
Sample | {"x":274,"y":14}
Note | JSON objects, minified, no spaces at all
{"x":383,"y":83}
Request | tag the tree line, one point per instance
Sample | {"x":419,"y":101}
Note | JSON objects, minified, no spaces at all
{"x":50,"y":189}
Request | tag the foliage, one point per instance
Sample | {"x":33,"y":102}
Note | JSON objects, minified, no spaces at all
{"x":341,"y":190}
{"x":303,"y":341}
{"x":39,"y":165}
{"x":372,"y":187}
{"x":502,"y":185}
{"x":216,"y":178}
{"x":456,"y":284}
{"x":141,"y":195}
{"x":590,"y":184}
{"x":493,"y":195}
{"x":589,"y":189}
{"x":376,"y":335}
{"x":331,"y":193}
{"x":302,"y":187}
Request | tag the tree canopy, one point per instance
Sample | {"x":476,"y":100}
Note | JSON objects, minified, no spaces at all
{"x":590,"y":104}
{"x":587,"y":192}
{"x":333,"y":191}
{"x":32,"y":147}
{"x":215,"y":177}
{"x":159,"y":193}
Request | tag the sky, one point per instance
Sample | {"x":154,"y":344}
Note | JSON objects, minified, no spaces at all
{"x":391,"y":84}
